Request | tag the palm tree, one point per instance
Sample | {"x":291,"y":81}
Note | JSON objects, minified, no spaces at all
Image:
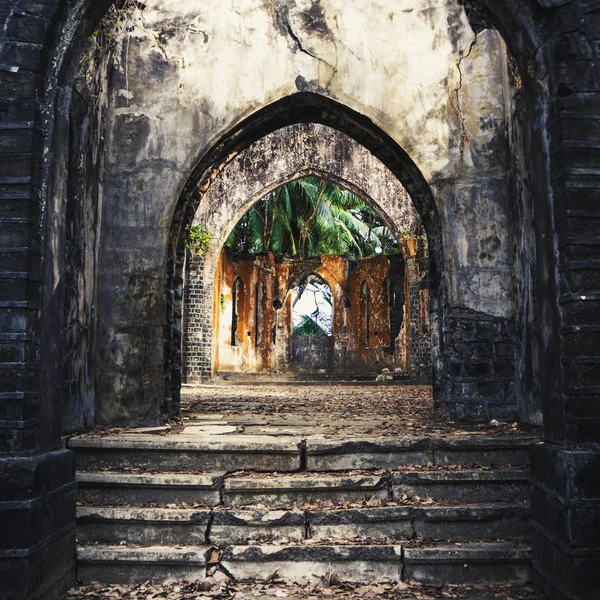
{"x":311,"y":217}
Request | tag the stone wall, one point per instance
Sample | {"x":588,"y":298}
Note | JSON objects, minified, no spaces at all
{"x":157,"y":92}
{"x":198,"y":319}
{"x":266,"y":344}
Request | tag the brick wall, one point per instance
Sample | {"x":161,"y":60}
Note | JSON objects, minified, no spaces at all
{"x":197,"y":323}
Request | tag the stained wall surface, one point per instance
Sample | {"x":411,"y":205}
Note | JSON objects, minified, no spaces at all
{"x":85,"y":245}
{"x":361,"y":339}
{"x":183,"y":77}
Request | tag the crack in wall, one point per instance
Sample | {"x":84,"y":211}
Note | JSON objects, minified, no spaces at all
{"x":464,"y":137}
{"x":302,"y":49}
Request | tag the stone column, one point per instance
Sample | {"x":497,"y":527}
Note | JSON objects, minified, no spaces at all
{"x":197,"y":323}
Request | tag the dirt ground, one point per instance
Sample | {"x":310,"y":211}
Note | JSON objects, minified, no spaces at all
{"x":214,"y":589}
{"x":333,"y":409}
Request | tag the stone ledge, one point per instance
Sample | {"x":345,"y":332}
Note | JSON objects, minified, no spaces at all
{"x":224,"y":443}
{"x":145,"y":555}
{"x":122,"y":564}
{"x":144,"y":515}
{"x":465,"y":486}
{"x":177,"y":452}
{"x":278,"y":491}
{"x":468,"y":552}
{"x":201,"y":480}
{"x":145,"y":526}
{"x":163,"y":488}
{"x":240,"y":526}
{"x":378,"y":453}
{"x":27,"y":477}
{"x":468,"y":563}
{"x":304,"y":564}
{"x":520,"y":475}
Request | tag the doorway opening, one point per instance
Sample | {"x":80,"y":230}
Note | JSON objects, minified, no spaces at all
{"x":312,"y":308}
{"x":314,"y":279}
{"x":311,"y":344}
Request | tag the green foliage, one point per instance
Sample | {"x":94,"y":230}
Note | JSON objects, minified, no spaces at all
{"x":309,"y":326}
{"x":198,"y":240}
{"x":312,"y":217}
{"x":222,"y":303}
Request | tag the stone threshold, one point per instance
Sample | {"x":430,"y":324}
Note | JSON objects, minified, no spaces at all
{"x":480,"y":562}
{"x":266,"y":453}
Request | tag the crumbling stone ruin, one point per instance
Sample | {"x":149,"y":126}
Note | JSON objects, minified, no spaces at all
{"x":252,"y":319}
{"x":121,"y":123}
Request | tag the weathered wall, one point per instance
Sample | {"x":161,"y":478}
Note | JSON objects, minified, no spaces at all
{"x":182,"y":78}
{"x":554,"y":193}
{"x":264,"y":340}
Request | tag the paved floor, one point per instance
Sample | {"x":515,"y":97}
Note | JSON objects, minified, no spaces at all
{"x":330,"y":409}
{"x":219,"y":589}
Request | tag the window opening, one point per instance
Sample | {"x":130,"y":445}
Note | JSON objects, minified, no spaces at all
{"x":237,"y":285}
{"x":364,"y":296}
{"x":259,"y":309}
{"x":312,"y":308}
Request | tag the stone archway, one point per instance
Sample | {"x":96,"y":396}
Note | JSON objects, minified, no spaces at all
{"x":281,"y":156}
{"x":556,"y":63}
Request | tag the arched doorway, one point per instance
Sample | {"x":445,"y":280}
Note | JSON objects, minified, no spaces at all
{"x":526,"y":27}
{"x":404,"y":263}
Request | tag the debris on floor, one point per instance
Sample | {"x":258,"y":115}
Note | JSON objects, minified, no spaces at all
{"x":219,"y":587}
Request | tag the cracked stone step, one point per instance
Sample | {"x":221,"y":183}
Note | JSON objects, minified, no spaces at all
{"x":124,"y":564}
{"x":142,"y":526}
{"x":289,"y":490}
{"x":375,"y":453}
{"x":189,"y":452}
{"x":381,"y":453}
{"x":241,"y":526}
{"x":500,"y":485}
{"x":375,"y":523}
{"x":307,"y":564}
{"x":490,"y":563}
{"x":113,"y":488}
{"x":483,"y":450}
{"x":184,"y":527}
{"x":474,"y":522}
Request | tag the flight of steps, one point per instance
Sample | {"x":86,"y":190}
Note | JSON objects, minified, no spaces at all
{"x":164,"y":508}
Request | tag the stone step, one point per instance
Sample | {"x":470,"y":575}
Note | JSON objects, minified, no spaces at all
{"x":390,"y":453}
{"x":126,"y":564}
{"x":181,"y":452}
{"x":472,"y":563}
{"x":181,"y":527}
{"x":308,"y":564}
{"x":142,"y":526}
{"x":490,"y":563}
{"x":274,"y":491}
{"x":465,"y":522}
{"x":117,"y":487}
{"x":495,"y":485}
{"x":242,"y":526}
{"x":202,"y":451}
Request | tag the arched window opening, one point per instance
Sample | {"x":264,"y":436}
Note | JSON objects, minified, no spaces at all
{"x":317,"y":279}
{"x":365,"y":308}
{"x":396,"y":297}
{"x":260,"y":317}
{"x":236,"y":304}
{"x":312,"y":308}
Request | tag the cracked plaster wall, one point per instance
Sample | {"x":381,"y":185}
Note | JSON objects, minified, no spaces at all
{"x":191,"y":70}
